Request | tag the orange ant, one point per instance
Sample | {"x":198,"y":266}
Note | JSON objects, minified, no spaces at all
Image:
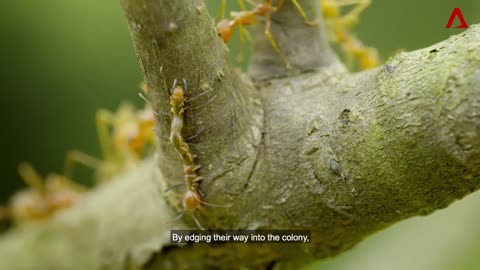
{"x":192,"y":199}
{"x":367,"y":57}
{"x":226,"y":27}
{"x":142,"y":137}
{"x":125,"y":137}
{"x":42,"y":198}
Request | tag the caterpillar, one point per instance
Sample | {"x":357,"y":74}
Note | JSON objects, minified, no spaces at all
{"x":192,"y":198}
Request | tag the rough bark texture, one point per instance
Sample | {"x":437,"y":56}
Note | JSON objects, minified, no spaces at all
{"x":343,"y":155}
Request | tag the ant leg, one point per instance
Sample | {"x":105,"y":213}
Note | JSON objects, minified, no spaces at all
{"x":244,"y":38}
{"x":159,"y":136}
{"x":31,"y":177}
{"x":251,"y":2}
{"x":361,"y":5}
{"x":355,"y":12}
{"x":143,"y":87}
{"x":366,"y":57}
{"x":103,"y":120}
{"x":156,"y":132}
{"x":198,"y":96}
{"x":241,"y":4}
{"x":197,"y":222}
{"x":194,"y":136}
{"x":65,"y":182}
{"x":300,"y":10}
{"x":145,"y":99}
{"x":200,"y":178}
{"x":215,"y":205}
{"x":176,"y":218}
{"x":351,"y":17}
{"x":244,"y":34}
{"x":279,"y":5}
{"x":201,"y":193}
{"x":150,"y":103}
{"x":369,"y":58}
{"x":174,"y":187}
{"x":208,"y":102}
{"x":349,"y":45}
{"x":221,"y":12}
{"x":73,"y":157}
{"x":272,"y":41}
{"x":194,"y":117}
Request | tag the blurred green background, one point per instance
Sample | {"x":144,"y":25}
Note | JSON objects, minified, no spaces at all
{"x":63,"y":60}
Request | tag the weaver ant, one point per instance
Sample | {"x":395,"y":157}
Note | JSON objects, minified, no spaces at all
{"x":42,"y":198}
{"x":245,"y":17}
{"x":192,"y":198}
{"x":125,"y":137}
{"x":340,"y":26}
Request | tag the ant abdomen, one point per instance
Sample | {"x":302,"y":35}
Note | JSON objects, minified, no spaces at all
{"x":191,"y":200}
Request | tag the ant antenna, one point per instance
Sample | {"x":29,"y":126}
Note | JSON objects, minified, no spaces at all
{"x":173,"y":86}
{"x":184,"y":84}
{"x":149,"y":103}
{"x":144,"y":98}
{"x":176,"y":218}
{"x":197,"y":222}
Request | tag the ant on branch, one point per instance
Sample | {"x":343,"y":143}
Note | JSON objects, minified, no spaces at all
{"x":245,"y":17}
{"x":340,"y":27}
{"x":125,"y":138}
{"x":192,"y":198}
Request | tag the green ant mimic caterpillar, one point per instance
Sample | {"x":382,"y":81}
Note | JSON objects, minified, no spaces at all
{"x":192,"y":198}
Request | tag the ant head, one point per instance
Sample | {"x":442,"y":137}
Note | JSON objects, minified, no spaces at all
{"x":191,"y":200}
{"x":177,"y":91}
{"x":224,"y":30}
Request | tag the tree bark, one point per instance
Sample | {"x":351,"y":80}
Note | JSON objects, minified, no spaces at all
{"x":314,"y":147}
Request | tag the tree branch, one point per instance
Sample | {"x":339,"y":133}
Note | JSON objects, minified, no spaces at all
{"x":226,"y":115}
{"x":342,"y":155}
